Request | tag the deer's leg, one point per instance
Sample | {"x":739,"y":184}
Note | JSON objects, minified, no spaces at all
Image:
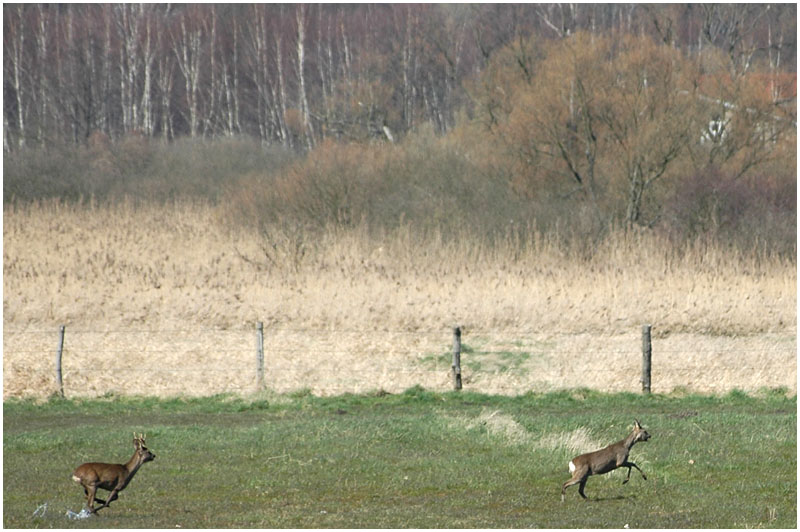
{"x":629,"y":475}
{"x":90,"y":491}
{"x":579,"y":475}
{"x":111,"y":497}
{"x":583,"y":485}
{"x":96,"y":498}
{"x":567,"y":484}
{"x":629,"y":465}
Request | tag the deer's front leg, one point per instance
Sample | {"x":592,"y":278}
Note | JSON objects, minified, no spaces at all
{"x":629,"y":465}
{"x":628,"y":477}
{"x":111,"y":497}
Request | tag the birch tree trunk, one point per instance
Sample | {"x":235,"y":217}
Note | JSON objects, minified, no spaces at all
{"x":187,"y":47}
{"x":281,"y":108}
{"x":16,"y":54}
{"x":165,"y":80}
{"x":128,"y":24}
{"x":308,"y":129}
{"x":257,"y":55}
{"x":211,"y":111}
{"x":42,"y":58}
{"x":148,"y":54}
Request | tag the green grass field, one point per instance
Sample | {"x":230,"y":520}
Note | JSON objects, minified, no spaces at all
{"x":416,"y":459}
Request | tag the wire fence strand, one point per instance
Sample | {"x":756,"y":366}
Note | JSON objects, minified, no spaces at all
{"x":206,"y":361}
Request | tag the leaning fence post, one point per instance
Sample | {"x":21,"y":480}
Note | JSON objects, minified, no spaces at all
{"x":259,"y":355}
{"x":59,"y":379}
{"x":456,"y":358}
{"x":647,"y":354}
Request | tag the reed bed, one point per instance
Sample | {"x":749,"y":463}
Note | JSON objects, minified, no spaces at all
{"x":380,"y":303}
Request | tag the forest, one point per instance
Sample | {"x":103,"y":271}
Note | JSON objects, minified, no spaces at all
{"x":581,"y":117}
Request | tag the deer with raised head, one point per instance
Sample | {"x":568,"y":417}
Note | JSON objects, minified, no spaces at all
{"x":605,"y":460}
{"x":111,"y":477}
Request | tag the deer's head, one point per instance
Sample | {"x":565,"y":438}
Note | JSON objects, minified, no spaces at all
{"x":639,"y":434}
{"x":144,"y":454}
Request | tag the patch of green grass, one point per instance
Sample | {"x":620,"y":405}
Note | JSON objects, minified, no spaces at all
{"x":418,"y":459}
{"x":478,"y":359}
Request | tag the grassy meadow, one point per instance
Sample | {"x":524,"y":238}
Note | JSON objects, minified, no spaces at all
{"x":412,"y":460}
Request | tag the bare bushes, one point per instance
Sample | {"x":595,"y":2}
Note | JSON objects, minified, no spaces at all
{"x":135,"y":168}
{"x":452,"y":189}
{"x":422,"y":185}
{"x":751,"y":214}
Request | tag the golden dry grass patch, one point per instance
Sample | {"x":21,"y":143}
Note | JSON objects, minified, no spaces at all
{"x":165,"y":300}
{"x":504,"y":427}
{"x":495,"y":423}
{"x":576,"y":441}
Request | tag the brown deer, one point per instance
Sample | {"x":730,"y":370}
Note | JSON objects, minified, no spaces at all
{"x":605,"y":460}
{"x":111,"y":477}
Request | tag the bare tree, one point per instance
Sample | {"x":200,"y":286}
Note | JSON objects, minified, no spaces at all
{"x":296,"y":74}
{"x":609,"y":119}
{"x":732,"y":27}
{"x":308,"y":128}
{"x":187,"y":43}
{"x":165,"y":81}
{"x":15,"y":45}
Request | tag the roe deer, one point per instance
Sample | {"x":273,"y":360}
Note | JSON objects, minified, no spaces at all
{"x":605,"y":460}
{"x":111,"y":477}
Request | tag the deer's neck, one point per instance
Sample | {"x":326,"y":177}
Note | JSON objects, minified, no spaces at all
{"x":133,"y":465}
{"x":629,"y":441}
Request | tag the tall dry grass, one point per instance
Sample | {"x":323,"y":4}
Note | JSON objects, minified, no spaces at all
{"x":180,"y":267}
{"x":117,"y":265}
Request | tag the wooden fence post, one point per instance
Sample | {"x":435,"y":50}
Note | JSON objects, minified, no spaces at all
{"x":260,"y":356}
{"x":59,"y":379}
{"x":647,"y":353}
{"x":456,"y":358}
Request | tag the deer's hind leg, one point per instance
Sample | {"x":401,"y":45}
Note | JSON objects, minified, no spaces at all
{"x":578,"y":476}
{"x":583,"y":485}
{"x":90,"y":492}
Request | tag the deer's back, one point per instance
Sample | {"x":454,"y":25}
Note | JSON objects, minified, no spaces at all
{"x":103,"y":475}
{"x":603,"y":460}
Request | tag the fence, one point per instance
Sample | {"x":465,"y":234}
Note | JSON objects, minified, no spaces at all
{"x":209,"y":361}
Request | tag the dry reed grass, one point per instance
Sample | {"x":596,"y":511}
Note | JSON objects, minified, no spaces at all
{"x":357,"y":312}
{"x":496,"y":423}
{"x":504,"y":427}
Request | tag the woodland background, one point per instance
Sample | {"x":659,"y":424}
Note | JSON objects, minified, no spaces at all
{"x":679,"y":117}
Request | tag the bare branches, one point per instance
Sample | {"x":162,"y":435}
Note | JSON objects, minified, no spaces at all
{"x":297,"y":75}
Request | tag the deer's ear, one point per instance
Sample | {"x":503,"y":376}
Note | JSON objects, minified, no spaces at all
{"x":636,"y":424}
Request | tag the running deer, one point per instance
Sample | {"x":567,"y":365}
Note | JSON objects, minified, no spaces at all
{"x":111,"y":477}
{"x":605,"y":460}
